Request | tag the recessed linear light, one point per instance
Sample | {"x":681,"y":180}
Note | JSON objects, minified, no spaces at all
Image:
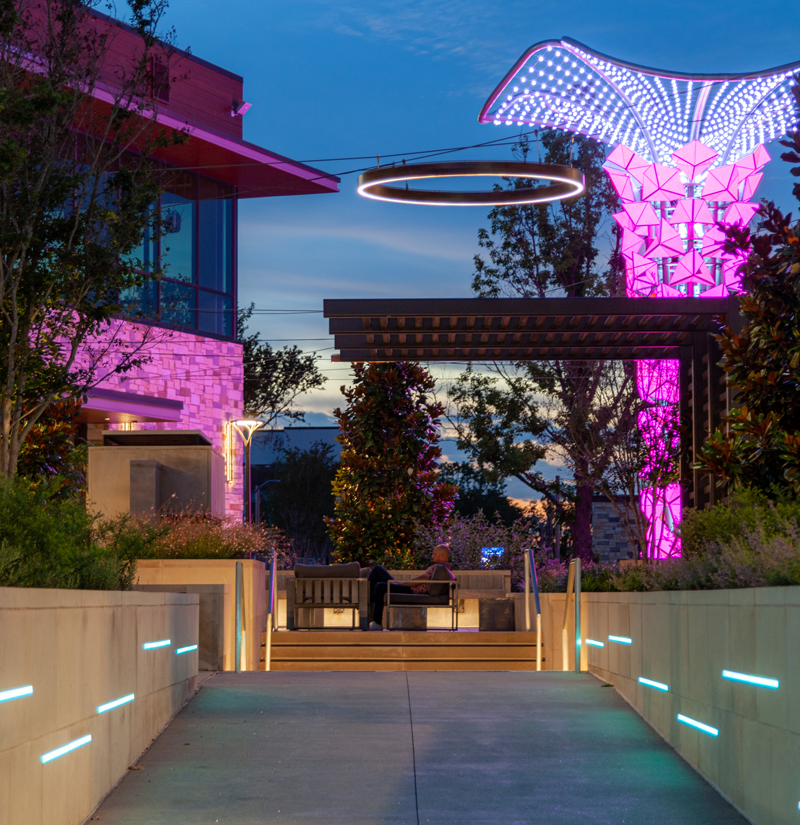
{"x":652,"y":684}
{"x":16,"y":693}
{"x":186,"y":649}
{"x":760,"y":681}
{"x":687,"y":720}
{"x":620,"y":640}
{"x":153,"y":645}
{"x":71,"y":746}
{"x":115,"y":704}
{"x":594,"y":643}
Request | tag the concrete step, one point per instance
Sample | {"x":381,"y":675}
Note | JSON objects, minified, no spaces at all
{"x":401,"y":650}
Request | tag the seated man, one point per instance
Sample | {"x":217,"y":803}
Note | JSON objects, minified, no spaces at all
{"x":380,"y":579}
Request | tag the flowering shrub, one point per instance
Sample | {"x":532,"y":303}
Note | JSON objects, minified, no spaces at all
{"x":195,"y":536}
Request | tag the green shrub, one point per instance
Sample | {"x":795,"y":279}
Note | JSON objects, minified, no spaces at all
{"x":47,"y":540}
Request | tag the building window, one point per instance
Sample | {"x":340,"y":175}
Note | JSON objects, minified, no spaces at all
{"x":196,"y":250}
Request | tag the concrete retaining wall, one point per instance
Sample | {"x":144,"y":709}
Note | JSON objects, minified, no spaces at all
{"x":220,"y":571}
{"x":684,"y":640}
{"x":79,"y":650}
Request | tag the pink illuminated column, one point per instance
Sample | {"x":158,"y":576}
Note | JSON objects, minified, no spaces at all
{"x":673,"y":247}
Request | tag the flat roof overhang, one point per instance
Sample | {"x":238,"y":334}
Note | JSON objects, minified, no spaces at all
{"x":115,"y":407}
{"x":522,"y":329}
{"x":256,"y":172}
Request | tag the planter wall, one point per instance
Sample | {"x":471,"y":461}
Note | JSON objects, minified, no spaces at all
{"x":79,"y":650}
{"x":684,"y":640}
{"x":220,"y":571}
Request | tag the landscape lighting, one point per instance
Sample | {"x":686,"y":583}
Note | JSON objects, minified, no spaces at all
{"x":115,"y":704}
{"x":153,"y":645}
{"x":16,"y":693}
{"x":760,"y":681}
{"x":699,"y":725}
{"x":651,"y":683}
{"x":51,"y":755}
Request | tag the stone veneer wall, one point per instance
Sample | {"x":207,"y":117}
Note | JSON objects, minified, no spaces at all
{"x":609,"y":538}
{"x":206,"y":374}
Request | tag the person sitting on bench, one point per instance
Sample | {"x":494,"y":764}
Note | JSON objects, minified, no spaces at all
{"x":380,"y":579}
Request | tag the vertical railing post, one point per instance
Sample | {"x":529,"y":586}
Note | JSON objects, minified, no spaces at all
{"x":239,"y":568}
{"x":270,"y":613}
{"x":565,"y":625}
{"x":578,"y":639}
{"x":535,"y":582}
{"x":527,"y":594}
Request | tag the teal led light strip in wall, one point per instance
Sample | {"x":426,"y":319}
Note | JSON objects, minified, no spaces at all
{"x":51,"y":755}
{"x":186,"y":649}
{"x":115,"y":704}
{"x":594,"y":643}
{"x":652,"y":684}
{"x":16,"y":693}
{"x":153,"y":645}
{"x":687,"y":720}
{"x":620,"y":640}
{"x":760,"y":681}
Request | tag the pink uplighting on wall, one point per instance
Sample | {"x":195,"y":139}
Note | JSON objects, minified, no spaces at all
{"x":673,"y":246}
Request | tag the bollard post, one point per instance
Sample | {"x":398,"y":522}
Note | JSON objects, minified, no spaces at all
{"x":527,"y":593}
{"x":578,"y":639}
{"x":535,"y":583}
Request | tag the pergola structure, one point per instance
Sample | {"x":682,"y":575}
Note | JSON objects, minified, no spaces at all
{"x":563,"y":329}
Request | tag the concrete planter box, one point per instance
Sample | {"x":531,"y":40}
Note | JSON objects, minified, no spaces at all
{"x":219,"y":572}
{"x":78,"y":650}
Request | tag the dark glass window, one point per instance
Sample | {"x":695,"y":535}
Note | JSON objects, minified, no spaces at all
{"x":197,"y":256}
{"x":214,"y":313}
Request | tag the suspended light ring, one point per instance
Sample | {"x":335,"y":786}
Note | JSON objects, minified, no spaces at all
{"x":567,"y":183}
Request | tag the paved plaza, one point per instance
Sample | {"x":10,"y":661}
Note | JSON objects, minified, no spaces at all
{"x":408,"y":748}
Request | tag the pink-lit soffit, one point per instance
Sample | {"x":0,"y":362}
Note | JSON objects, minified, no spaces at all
{"x":565,"y":85}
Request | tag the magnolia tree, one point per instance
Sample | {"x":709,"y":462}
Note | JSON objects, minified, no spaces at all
{"x":77,"y":195}
{"x":387,"y":480}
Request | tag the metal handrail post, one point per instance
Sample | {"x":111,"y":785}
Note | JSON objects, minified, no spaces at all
{"x":527,"y":593}
{"x":565,"y":626}
{"x":535,"y":583}
{"x":268,"y":654}
{"x":578,"y":639}
{"x":239,"y":569}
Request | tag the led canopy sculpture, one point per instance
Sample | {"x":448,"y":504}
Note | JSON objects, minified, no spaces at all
{"x":687,"y":159}
{"x":568,"y":183}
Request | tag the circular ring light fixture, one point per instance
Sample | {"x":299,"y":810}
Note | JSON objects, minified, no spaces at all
{"x":566,"y":183}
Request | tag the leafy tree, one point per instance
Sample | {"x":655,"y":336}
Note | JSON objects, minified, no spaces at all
{"x":476,"y":494}
{"x":77,"y":194}
{"x":303,"y":498}
{"x":759,"y":444}
{"x":572,"y":410}
{"x":274,"y":378}
{"x":387,"y":481}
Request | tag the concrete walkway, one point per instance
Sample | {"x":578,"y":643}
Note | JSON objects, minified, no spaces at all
{"x":419,"y":747}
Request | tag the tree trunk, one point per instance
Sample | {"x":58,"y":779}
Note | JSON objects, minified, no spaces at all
{"x":582,"y":528}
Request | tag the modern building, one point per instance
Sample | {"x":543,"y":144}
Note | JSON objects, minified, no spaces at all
{"x":194,"y":377}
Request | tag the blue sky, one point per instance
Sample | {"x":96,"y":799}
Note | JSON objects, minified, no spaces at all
{"x":368,"y":77}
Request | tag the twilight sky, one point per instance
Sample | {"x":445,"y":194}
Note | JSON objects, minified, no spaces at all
{"x":341,"y":79}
